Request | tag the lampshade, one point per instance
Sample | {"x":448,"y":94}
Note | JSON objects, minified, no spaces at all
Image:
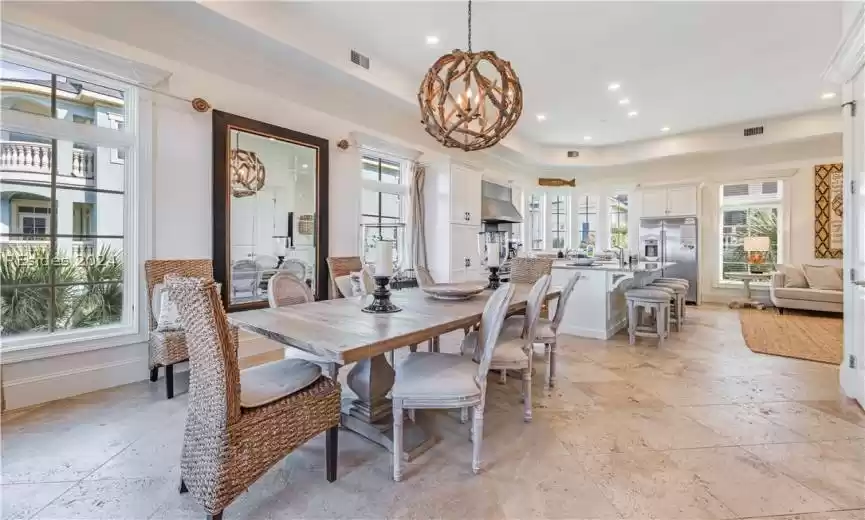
{"x":756,"y":244}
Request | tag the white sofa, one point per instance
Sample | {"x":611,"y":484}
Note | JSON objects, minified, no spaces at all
{"x":804,"y":298}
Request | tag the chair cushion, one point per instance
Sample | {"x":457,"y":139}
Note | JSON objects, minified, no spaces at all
{"x":812,"y":295}
{"x":677,"y":287}
{"x":682,"y":281}
{"x":429,"y":375}
{"x":794,"y":276}
{"x":267,"y":383}
{"x":823,"y":277}
{"x":648,"y":294}
{"x":343,"y":284}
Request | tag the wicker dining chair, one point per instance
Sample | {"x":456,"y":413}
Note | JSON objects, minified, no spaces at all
{"x":530,"y":270}
{"x":342,"y":266}
{"x":240,"y":423}
{"x":284,"y":289}
{"x":169,"y":348}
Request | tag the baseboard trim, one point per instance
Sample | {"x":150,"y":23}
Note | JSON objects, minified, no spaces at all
{"x":68,"y":383}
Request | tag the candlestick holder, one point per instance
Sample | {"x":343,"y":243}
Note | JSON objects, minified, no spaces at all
{"x":381,"y":303}
{"x":494,"y":277}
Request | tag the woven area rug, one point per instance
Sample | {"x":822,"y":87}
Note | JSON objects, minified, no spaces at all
{"x":796,"y":335}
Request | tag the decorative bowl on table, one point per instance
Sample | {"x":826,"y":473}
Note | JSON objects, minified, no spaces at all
{"x":455,"y":291}
{"x":583,"y":261}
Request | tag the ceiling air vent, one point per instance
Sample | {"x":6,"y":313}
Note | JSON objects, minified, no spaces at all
{"x":359,"y":59}
{"x":754,"y":130}
{"x":573,"y":153}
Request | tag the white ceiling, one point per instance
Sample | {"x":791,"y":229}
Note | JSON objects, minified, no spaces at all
{"x":685,"y":65}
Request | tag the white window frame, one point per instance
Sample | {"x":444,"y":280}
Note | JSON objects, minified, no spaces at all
{"x":136,"y":138}
{"x":542,"y":211}
{"x":554,"y":233}
{"x":400,"y":189}
{"x":613,"y":199}
{"x":779,"y":204}
{"x":116,"y":122}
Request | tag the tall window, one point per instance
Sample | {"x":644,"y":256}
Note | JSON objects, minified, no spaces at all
{"x":749,"y":209}
{"x":383,"y":202}
{"x":65,"y":263}
{"x":536,"y":222}
{"x":587,"y":222}
{"x":619,"y":221}
{"x":559,"y":221}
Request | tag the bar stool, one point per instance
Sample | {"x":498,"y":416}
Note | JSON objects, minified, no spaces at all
{"x":679,"y":292}
{"x":677,"y":280}
{"x":655,"y":301}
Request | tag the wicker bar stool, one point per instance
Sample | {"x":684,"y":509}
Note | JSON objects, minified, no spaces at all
{"x":679,"y":292}
{"x":655,"y":301}
{"x":241,"y":422}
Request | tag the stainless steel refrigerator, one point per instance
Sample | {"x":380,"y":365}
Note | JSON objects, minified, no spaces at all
{"x":672,"y":239}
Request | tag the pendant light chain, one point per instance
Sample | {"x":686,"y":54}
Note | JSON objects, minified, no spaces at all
{"x":470,"y":25}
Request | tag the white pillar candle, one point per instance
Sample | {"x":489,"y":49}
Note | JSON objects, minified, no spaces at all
{"x":493,"y":258}
{"x":383,"y":258}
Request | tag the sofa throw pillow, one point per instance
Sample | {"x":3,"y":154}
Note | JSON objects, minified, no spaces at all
{"x":823,"y":277}
{"x":794,"y":276}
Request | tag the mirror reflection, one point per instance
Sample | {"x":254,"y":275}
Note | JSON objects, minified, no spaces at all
{"x":272,"y":212}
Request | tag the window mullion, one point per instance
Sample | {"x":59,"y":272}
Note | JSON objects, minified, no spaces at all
{"x":52,"y":218}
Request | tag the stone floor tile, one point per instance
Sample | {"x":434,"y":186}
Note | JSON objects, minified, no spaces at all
{"x":22,"y":501}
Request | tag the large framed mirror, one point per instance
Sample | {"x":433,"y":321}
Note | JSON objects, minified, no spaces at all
{"x":270,"y":188}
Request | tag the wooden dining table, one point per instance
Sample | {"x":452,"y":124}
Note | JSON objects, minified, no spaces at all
{"x":338,"y":331}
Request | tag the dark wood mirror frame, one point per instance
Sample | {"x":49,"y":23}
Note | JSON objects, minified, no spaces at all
{"x":223,"y":124}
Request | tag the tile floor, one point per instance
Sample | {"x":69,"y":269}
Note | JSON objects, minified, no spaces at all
{"x":702,"y":428}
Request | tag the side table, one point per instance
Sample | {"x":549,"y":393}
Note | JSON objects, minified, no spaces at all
{"x":746,"y":279}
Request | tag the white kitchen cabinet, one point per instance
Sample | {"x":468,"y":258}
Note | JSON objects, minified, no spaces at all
{"x":465,"y":195}
{"x":675,"y":201}
{"x":682,"y":201}
{"x":453,"y":219}
{"x":654,"y":203}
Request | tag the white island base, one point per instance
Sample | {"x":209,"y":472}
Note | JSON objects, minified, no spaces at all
{"x":597,"y":307}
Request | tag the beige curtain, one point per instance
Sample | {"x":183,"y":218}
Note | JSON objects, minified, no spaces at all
{"x":418,"y":228}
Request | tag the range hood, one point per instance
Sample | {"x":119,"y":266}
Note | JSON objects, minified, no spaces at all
{"x":496,"y":205}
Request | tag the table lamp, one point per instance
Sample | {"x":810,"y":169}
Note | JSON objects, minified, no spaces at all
{"x":756,"y":247}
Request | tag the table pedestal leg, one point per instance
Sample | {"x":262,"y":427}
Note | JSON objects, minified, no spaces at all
{"x":370,"y":414}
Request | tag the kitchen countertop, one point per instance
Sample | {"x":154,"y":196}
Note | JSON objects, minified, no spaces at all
{"x":642,"y":267}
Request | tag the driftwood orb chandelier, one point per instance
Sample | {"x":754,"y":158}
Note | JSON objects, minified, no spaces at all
{"x":470,"y":100}
{"x":247,"y":173}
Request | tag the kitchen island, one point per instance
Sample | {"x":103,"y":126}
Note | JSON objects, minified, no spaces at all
{"x":597,"y":307}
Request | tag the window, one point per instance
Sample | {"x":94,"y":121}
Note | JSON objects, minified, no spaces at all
{"x":587,"y":222}
{"x":619,"y":221}
{"x":536,"y":222}
{"x":383,"y":202}
{"x":559,"y":221}
{"x":749,"y":210}
{"x":64,"y":214}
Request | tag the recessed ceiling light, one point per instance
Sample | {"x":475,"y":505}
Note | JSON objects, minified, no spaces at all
{"x":624,"y":101}
{"x":587,"y":138}
{"x":542,"y":117}
{"x":304,"y":166}
{"x":828,"y":95}
{"x":633,"y":113}
{"x":665,"y":129}
{"x":613,"y":87}
{"x":432,"y":40}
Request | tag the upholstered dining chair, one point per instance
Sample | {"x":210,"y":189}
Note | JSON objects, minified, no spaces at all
{"x":547,"y":331}
{"x":169,"y":348}
{"x":514,"y":348}
{"x":240,"y":423}
{"x":284,"y":289}
{"x":436,"y":380}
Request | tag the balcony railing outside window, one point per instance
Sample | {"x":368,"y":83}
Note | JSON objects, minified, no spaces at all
{"x":22,"y":156}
